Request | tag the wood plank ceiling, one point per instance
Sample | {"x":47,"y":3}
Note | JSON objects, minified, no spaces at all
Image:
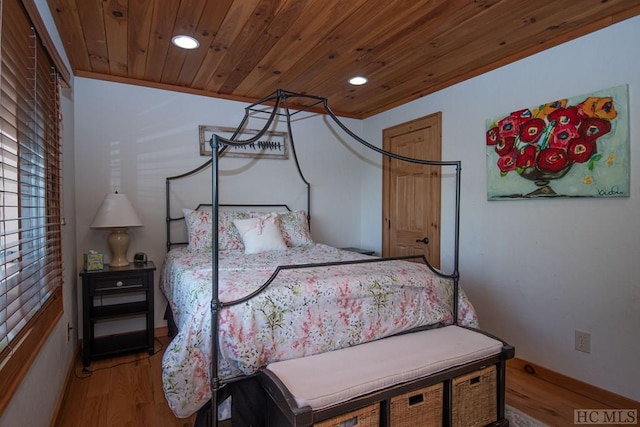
{"x":250,"y":48}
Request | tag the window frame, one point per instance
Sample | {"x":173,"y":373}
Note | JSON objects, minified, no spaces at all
{"x":31,"y":123}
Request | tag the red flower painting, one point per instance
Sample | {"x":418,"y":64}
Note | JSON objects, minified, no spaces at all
{"x":542,"y":144}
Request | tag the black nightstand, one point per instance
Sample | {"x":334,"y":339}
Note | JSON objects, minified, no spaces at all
{"x":359,"y":250}
{"x":133,"y":282}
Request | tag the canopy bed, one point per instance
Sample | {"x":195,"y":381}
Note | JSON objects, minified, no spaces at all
{"x":250,"y":291}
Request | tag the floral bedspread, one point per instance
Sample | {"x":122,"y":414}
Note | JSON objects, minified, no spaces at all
{"x":303,"y":312}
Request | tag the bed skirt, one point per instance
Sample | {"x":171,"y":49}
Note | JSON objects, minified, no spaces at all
{"x":248,"y":408}
{"x":172,"y":329}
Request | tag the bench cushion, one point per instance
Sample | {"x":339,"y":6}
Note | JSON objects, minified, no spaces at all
{"x":330,"y":378}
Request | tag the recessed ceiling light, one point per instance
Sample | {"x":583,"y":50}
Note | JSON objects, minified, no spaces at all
{"x":185,"y":42}
{"x":357,"y":80}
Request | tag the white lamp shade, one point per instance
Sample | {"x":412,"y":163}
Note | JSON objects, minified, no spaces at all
{"x":116,"y":212}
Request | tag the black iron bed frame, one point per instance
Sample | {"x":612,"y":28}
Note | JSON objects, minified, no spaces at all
{"x":279,"y":100}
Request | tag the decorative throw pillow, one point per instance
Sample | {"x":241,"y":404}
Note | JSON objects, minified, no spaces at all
{"x":228,"y":236}
{"x":199,"y":230}
{"x":261,"y":234}
{"x":295,"y":228}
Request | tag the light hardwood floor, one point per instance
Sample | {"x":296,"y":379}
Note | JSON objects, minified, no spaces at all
{"x":127,"y":391}
{"x":119,"y":392}
{"x":552,"y":398}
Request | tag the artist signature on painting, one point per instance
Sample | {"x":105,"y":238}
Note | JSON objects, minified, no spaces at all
{"x":614,"y":190}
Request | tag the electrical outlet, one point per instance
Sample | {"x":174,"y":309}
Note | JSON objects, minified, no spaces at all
{"x":583,"y":341}
{"x":69,"y":328}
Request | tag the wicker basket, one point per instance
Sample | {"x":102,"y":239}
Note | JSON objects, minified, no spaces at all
{"x":475,"y":398}
{"x":368,"y":416}
{"x":419,"y":408}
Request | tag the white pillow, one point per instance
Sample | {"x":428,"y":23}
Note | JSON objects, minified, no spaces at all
{"x":260,"y":234}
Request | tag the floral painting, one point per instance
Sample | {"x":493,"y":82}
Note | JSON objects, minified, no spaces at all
{"x":574,"y":147}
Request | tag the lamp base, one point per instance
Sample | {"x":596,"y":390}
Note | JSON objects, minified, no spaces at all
{"x":118,"y":243}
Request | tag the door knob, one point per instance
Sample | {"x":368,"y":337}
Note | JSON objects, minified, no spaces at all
{"x":424,"y":240}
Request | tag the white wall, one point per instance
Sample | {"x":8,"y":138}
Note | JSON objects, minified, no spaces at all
{"x":131,"y":138}
{"x":537,"y":270}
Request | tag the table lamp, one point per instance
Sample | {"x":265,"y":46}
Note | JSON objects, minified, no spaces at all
{"x":117,"y":214}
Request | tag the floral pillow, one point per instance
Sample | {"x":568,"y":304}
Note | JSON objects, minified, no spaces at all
{"x":228,"y":236}
{"x":199,"y":230}
{"x":295,"y":228}
{"x":260,"y":234}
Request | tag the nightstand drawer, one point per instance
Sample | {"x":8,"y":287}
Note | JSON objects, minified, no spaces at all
{"x":119,"y":284}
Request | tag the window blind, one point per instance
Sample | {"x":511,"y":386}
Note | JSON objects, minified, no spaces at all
{"x":30,"y":186}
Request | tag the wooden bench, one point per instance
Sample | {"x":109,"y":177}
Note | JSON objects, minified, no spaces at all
{"x":444,"y":376}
